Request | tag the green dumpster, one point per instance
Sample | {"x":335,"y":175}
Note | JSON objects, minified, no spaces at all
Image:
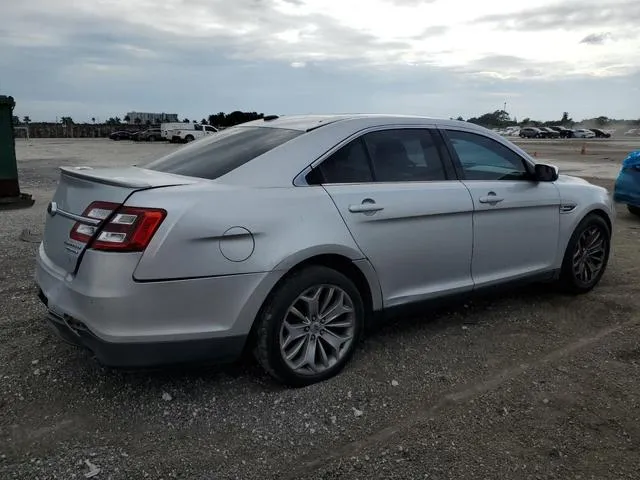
{"x":10,"y":195}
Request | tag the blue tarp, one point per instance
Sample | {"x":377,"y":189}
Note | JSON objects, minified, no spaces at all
{"x":627,"y":189}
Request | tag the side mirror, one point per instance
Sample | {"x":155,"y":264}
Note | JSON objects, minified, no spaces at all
{"x":546,"y":173}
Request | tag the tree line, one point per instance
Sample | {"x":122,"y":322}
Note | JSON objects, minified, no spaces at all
{"x":502,"y":119}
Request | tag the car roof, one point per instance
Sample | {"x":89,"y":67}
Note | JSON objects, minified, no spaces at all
{"x":307,"y":123}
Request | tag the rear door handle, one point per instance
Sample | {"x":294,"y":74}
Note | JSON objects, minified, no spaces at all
{"x":365,"y":208}
{"x":491,"y":198}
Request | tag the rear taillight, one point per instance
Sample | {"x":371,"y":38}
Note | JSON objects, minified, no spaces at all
{"x":128,"y":229}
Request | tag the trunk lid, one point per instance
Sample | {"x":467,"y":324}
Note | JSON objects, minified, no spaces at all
{"x":78,"y":188}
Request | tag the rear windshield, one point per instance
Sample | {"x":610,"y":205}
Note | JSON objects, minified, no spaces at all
{"x":219,"y":153}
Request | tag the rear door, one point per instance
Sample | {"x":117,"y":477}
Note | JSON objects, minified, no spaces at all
{"x":516,"y":219}
{"x":83,"y":199}
{"x":407,"y":214}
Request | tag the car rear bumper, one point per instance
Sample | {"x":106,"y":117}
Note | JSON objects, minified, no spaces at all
{"x":130,"y":323}
{"x":148,"y":354}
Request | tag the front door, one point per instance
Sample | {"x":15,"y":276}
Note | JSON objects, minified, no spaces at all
{"x":411,"y":221}
{"x":516,"y":219}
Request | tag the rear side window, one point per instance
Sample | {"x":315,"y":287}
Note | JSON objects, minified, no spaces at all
{"x":220,"y":153}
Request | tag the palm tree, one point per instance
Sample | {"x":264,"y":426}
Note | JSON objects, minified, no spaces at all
{"x":26,"y":119}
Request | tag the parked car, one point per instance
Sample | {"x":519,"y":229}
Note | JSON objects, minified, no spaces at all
{"x":633,"y":132}
{"x":531,"y":132}
{"x":121,"y":135}
{"x":583,"y":133}
{"x":600,"y":133}
{"x":287,"y":236}
{"x":563,"y":131}
{"x":627,"y":187}
{"x":150,"y":135}
{"x":549,"y":132}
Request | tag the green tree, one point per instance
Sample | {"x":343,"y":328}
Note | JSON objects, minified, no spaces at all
{"x":15,"y":120}
{"x":137,"y":121}
{"x":26,"y":119}
{"x":148,"y":123}
{"x":602,"y":121}
{"x":186,"y":120}
{"x":127,"y":118}
{"x":203,"y":121}
{"x":66,"y":120}
{"x":117,"y":120}
{"x":93,"y":119}
{"x":460,"y":119}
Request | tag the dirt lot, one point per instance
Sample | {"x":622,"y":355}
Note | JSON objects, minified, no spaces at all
{"x":526,"y":385}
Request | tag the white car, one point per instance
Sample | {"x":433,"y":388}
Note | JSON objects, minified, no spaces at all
{"x":583,"y":133}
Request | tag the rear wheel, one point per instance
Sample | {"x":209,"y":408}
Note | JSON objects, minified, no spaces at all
{"x":309,"y":326}
{"x":634,"y":210}
{"x":188,"y":138}
{"x":586,"y":257}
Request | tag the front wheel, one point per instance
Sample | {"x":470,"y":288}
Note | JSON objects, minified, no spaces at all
{"x":586,"y":256}
{"x":188,"y":138}
{"x":634,"y":210}
{"x":309,"y":326}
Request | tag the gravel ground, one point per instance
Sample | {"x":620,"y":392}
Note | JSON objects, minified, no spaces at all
{"x":529,"y":384}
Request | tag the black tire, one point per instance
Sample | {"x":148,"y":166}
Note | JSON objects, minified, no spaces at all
{"x":569,"y":281}
{"x":189,"y":138}
{"x":634,"y":210}
{"x":274,"y":311}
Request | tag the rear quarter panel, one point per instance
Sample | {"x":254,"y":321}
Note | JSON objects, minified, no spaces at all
{"x":286,"y":225}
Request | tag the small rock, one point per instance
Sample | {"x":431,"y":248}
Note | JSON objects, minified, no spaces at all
{"x":166,"y":397}
{"x":334,"y":419}
{"x":545,"y":401}
{"x":36,"y":371}
{"x":93,"y":470}
{"x":356,"y":412}
{"x":464,"y":327}
{"x":394,"y":383}
{"x":34,"y":362}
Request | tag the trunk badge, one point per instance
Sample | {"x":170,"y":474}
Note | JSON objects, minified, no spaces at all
{"x":52,"y":208}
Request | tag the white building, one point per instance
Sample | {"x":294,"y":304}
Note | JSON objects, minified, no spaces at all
{"x":152,"y":117}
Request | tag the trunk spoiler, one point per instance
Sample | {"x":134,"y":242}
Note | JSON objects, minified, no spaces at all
{"x":128,"y":177}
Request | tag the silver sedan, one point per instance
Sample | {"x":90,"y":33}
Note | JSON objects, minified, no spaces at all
{"x":286,"y":236}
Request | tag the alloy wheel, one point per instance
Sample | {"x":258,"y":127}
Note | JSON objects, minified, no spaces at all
{"x":318,"y":329}
{"x":589,"y":255}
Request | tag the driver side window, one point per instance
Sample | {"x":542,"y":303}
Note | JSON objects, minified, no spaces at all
{"x":482,"y":158}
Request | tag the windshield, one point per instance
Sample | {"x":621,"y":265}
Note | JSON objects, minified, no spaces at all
{"x":219,"y":153}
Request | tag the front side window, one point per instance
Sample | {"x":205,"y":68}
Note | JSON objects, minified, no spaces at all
{"x":483,"y":158}
{"x":216,"y":155}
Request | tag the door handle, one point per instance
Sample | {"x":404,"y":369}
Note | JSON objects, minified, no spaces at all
{"x":491,"y":198}
{"x":365,"y":208}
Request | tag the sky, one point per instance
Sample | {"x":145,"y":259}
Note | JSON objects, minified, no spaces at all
{"x":441,"y":58}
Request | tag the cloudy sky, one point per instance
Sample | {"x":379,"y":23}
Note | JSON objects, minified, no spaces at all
{"x":102,"y":58}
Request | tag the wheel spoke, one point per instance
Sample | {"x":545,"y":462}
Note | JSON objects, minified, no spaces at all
{"x":312,"y":301}
{"x":323,"y":354}
{"x":327,"y":300}
{"x":294,"y":332}
{"x":294,"y":351}
{"x":334,"y":340}
{"x":293,"y":310}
